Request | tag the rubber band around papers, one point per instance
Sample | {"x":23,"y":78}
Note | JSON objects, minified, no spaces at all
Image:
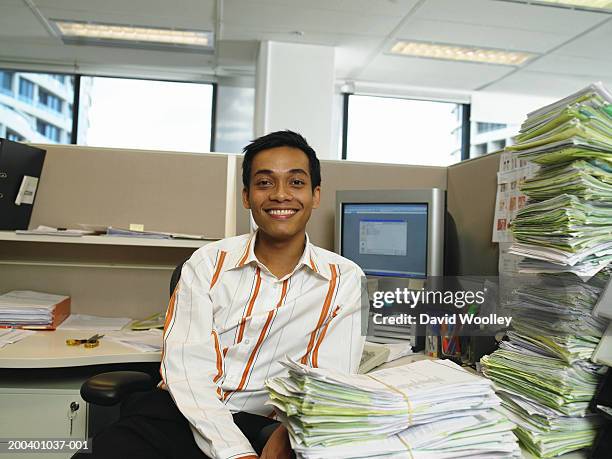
{"x":395,"y":389}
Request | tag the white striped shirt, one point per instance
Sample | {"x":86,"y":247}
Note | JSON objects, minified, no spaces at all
{"x":230,"y":321}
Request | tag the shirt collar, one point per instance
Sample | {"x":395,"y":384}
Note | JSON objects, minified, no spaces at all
{"x":245,"y":255}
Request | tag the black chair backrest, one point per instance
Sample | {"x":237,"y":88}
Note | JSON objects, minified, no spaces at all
{"x":176,"y":275}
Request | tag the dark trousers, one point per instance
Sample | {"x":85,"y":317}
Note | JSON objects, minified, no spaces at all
{"x":152,"y":427}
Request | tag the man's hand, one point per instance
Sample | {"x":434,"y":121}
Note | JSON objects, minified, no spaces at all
{"x":278,"y":446}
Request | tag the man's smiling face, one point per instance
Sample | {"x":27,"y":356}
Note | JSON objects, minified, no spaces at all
{"x":280,"y":193}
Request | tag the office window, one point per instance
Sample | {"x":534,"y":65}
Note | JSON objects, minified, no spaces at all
{"x":6,"y":82}
{"x":26,"y":89}
{"x":48,"y":130}
{"x":39,"y":102}
{"x":49,"y":100}
{"x":157,"y":115}
{"x":403,"y":131}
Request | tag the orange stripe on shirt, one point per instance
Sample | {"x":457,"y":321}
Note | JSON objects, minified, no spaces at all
{"x":315,"y":352}
{"x":323,"y":315}
{"x":219,"y":358}
{"x":250,"y":308}
{"x":246,"y":254}
{"x":260,"y":340}
{"x":218,"y":270}
{"x":169,"y":314}
{"x":313,"y":266}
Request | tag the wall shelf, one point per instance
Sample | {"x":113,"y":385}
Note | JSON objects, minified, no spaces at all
{"x":103,"y":240}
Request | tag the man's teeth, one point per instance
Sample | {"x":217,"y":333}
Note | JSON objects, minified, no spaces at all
{"x":282,"y":212}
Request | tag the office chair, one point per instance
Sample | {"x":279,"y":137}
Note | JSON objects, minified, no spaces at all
{"x":111,"y":388}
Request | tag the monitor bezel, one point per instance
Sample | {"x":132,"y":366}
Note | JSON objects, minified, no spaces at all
{"x":434,"y":198}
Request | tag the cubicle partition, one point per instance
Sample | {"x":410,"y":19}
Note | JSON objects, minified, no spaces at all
{"x":471,"y":190}
{"x":163,"y":191}
{"x":200,"y":194}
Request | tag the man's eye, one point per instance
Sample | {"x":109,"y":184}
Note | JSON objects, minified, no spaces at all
{"x":298,"y":182}
{"x":263,"y":182}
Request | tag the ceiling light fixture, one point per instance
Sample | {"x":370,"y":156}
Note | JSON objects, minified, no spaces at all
{"x":460,"y":53}
{"x":597,"y":4}
{"x":588,"y":5}
{"x":95,"y":33}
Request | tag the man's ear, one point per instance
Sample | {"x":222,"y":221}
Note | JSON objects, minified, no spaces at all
{"x":316,"y":197}
{"x":245,"y":198}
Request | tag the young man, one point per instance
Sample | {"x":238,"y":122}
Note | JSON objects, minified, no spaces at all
{"x":244,"y":303}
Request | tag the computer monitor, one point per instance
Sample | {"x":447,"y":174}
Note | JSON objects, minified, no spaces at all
{"x":20,"y":169}
{"x":392,"y":233}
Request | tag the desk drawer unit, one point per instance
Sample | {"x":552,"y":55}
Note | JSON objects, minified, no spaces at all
{"x":51,"y":412}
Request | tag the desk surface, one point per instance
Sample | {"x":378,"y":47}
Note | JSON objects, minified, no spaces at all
{"x":48,"y":349}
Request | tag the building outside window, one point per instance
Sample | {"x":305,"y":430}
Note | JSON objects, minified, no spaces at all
{"x":12,"y":135}
{"x":49,"y":100}
{"x":402,"y":131}
{"x":34,"y":101}
{"x":26,"y":89}
{"x":6,"y":82}
{"x":48,"y":130}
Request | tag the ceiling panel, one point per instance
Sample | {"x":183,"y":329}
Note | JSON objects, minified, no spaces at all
{"x":511,"y":15}
{"x":596,"y":44}
{"x":479,"y":35}
{"x":266,"y":17}
{"x":543,"y":84}
{"x":175,"y":8}
{"x":17,"y":20}
{"x":197,"y":14}
{"x":378,"y":7}
{"x":430,"y":72}
{"x":571,"y":65}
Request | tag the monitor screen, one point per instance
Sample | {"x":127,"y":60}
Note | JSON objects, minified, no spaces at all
{"x":386,"y":239}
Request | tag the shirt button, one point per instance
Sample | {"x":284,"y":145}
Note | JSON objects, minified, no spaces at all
{"x":246,"y":341}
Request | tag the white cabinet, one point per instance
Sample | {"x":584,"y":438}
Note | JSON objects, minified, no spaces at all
{"x":42,"y":409}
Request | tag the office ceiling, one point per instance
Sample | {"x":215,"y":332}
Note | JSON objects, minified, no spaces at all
{"x":574,"y":47}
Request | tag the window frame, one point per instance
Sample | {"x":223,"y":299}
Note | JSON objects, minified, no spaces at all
{"x":77,"y":95}
{"x":465,"y":122}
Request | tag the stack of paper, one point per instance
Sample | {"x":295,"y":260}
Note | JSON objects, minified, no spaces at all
{"x":543,"y":373}
{"x":28,"y":308}
{"x":546,"y":397}
{"x":566,"y":225}
{"x":425,"y":409}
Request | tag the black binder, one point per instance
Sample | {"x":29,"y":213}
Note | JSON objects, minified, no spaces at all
{"x":16,"y":161}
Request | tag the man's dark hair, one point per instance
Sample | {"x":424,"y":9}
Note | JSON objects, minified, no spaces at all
{"x":280,"y":139}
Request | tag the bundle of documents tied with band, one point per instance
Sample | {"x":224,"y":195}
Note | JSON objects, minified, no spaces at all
{"x":427,"y":409}
{"x":544,"y":374}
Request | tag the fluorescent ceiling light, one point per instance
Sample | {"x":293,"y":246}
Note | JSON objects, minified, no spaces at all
{"x":587,"y":5}
{"x":594,"y":4}
{"x":138,"y":36}
{"x":460,"y":53}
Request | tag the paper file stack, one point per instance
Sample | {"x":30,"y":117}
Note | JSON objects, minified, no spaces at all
{"x":543,"y":373}
{"x":566,"y":226}
{"x":35,"y":310}
{"x":427,"y":409}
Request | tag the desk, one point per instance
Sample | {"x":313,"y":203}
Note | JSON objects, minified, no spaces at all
{"x":42,"y":377}
{"x":48,"y":349}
